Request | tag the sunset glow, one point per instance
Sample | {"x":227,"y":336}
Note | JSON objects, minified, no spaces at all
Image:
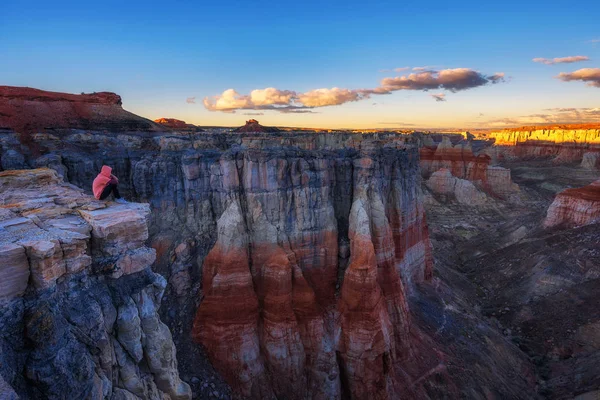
{"x":340,"y":65}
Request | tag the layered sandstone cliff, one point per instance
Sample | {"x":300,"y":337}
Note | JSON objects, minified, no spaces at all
{"x":287,"y":222}
{"x":575,"y":207}
{"x":78,"y":301}
{"x":563,"y":144}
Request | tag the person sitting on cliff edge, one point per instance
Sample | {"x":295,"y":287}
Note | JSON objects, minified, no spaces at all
{"x":105,"y":184}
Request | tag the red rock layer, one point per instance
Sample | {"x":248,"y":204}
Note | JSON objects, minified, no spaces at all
{"x":226,"y":322}
{"x":311,"y":344}
{"x":575,"y":207}
{"x":366,"y":344}
{"x":463,"y":164}
{"x":27,"y":110}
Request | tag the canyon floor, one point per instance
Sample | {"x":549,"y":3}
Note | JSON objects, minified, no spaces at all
{"x":537,"y":287}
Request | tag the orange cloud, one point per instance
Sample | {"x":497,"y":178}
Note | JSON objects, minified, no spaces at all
{"x":268,"y":96}
{"x":329,"y":97}
{"x":453,"y":80}
{"x":589,"y":75}
{"x":561,"y":60}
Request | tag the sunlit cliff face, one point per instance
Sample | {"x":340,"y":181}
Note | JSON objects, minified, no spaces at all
{"x":568,"y":134}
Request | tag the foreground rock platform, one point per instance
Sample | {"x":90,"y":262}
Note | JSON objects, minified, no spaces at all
{"x":78,"y":301}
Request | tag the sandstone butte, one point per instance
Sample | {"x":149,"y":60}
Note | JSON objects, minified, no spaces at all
{"x":575,"y":207}
{"x":252,"y":125}
{"x":289,"y":259}
{"x":563,"y":143}
{"x":58,"y":248}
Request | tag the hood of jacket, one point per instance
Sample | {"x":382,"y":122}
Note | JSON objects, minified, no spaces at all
{"x":106,"y":171}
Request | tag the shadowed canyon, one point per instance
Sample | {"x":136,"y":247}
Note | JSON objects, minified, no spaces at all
{"x":270,"y":264}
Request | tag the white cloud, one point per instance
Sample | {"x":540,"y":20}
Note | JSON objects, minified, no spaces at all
{"x":561,"y":60}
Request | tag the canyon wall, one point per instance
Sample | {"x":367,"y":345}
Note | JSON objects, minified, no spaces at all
{"x":79,"y":303}
{"x":564,"y":144}
{"x":270,"y":221}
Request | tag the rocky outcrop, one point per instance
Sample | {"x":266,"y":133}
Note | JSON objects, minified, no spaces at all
{"x":79,"y":304}
{"x":591,"y":161}
{"x":459,"y":159}
{"x":564,"y":144}
{"x":461,"y":163}
{"x":575,"y":207}
{"x":442,"y":182}
{"x":252,"y":125}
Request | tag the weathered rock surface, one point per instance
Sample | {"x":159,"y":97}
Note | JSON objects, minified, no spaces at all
{"x":575,"y":207}
{"x":284,"y":270}
{"x":67,"y":325}
{"x":591,"y":161}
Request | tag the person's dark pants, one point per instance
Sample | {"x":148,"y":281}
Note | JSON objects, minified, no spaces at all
{"x":110,"y":188}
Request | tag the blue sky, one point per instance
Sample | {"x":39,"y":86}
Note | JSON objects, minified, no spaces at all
{"x":156,"y":55}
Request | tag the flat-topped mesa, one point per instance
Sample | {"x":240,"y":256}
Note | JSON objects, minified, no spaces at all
{"x":62,"y":252}
{"x":8,"y":93}
{"x":562,"y":143}
{"x":28,"y":110}
{"x":575,"y":207}
{"x":176,"y":124}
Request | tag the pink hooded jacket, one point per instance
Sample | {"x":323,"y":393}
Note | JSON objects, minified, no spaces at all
{"x":104,"y":178}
